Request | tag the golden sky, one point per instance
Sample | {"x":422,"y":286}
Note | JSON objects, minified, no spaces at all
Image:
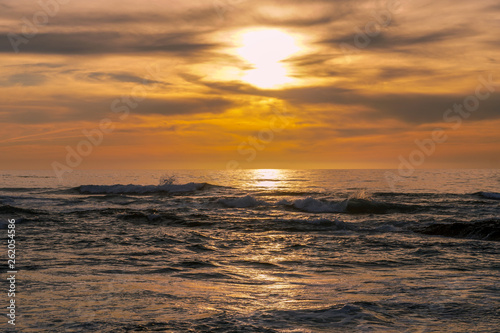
{"x":254,"y":84}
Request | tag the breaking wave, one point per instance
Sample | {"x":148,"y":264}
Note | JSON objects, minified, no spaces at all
{"x":488,"y":229}
{"x":352,"y":206}
{"x":337,"y":224}
{"x":143,"y":189}
{"x":489,"y":195}
{"x":243,"y":202}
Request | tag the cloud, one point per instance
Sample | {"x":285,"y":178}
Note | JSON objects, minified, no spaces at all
{"x":24,"y":79}
{"x":296,"y":22}
{"x":87,"y":43}
{"x":120,"y":77}
{"x":183,"y":106}
{"x":122,"y":15}
{"x":39,"y":64}
{"x":427,"y":108}
{"x":393,"y":42}
{"x":388,"y":73}
{"x":29,"y":112}
{"x":92,"y":52}
{"x":71,"y":108}
{"x":414,"y":108}
{"x":409,"y":107}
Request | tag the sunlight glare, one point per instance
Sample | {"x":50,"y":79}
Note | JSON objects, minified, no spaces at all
{"x":264,"y":50}
{"x":268,"y":178}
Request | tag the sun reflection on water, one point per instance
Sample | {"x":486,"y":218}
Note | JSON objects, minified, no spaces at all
{"x":268,"y":179}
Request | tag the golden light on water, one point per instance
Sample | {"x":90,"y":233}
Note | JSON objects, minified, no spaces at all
{"x":268,"y":179}
{"x":264,"y":50}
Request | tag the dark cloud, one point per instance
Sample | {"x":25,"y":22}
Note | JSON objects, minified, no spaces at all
{"x":152,"y":14}
{"x":108,"y":42}
{"x":358,"y":132}
{"x":93,"y":109}
{"x":296,"y":22}
{"x":24,"y":79}
{"x":98,"y":18}
{"x":331,"y":128}
{"x":309,"y":59}
{"x":120,"y":77}
{"x":411,"y":107}
{"x":234,"y":87}
{"x":393,"y":42}
{"x":494,"y":7}
{"x":401,"y":72}
{"x":223,"y":88}
{"x":427,"y":108}
{"x":183,"y":106}
{"x":27,"y":116}
{"x":67,"y":108}
{"x":39,"y":64}
{"x":150,"y":130}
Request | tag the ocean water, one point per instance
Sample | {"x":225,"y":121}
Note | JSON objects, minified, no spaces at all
{"x":254,"y":251}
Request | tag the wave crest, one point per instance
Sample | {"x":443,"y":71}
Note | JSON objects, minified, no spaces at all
{"x":487,"y":229}
{"x":311,"y":205}
{"x":489,"y":195}
{"x":243,"y":202}
{"x":142,"y":189}
{"x":351,"y":206}
{"x":336,"y":223}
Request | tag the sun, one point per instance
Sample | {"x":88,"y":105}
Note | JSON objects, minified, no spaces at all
{"x":264,"y":50}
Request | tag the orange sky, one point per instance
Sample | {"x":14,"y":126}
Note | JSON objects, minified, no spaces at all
{"x":249,"y":84}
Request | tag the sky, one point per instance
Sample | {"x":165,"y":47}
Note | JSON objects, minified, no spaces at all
{"x":249,"y":84}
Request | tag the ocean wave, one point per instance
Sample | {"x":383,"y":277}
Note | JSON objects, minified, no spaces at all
{"x":312,"y":205}
{"x":286,"y":193}
{"x":34,"y":176}
{"x":337,"y":224}
{"x":7,"y":209}
{"x":143,"y":189}
{"x":351,"y":206}
{"x":364,"y":206}
{"x":488,"y":229}
{"x":489,"y":195}
{"x":243,"y":202}
{"x":340,"y":315}
{"x":149,"y":216}
{"x":19,"y":189}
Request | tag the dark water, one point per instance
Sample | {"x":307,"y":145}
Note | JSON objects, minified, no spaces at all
{"x":255,"y":251}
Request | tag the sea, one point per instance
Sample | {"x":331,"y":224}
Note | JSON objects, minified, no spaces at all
{"x":273,"y":250}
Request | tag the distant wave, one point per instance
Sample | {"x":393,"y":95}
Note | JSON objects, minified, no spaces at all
{"x":489,"y":195}
{"x":364,"y":206}
{"x":7,"y":209}
{"x":339,"y":225}
{"x":243,"y":202}
{"x":22,"y":189}
{"x":149,"y":216}
{"x":312,"y":205}
{"x":285,"y":193}
{"x":142,"y":189}
{"x":352,"y":206}
{"x":34,"y":176}
{"x":488,"y":229}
